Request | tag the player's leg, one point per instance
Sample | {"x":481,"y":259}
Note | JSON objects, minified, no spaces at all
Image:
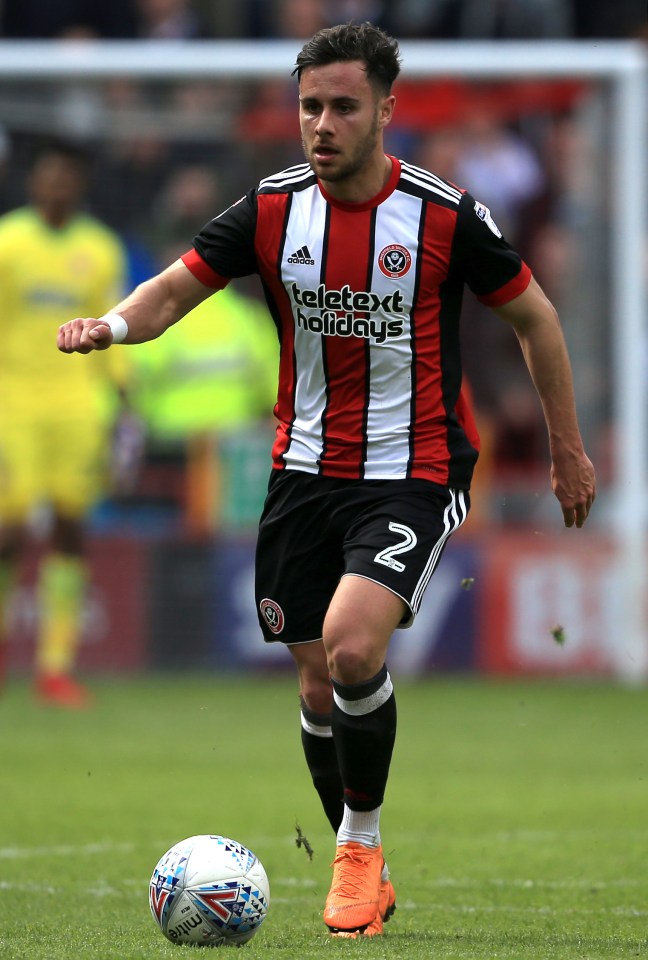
{"x":298,"y":567}
{"x":297,"y":572}
{"x":357,"y":630}
{"x":18,"y":496}
{"x":391,"y":548}
{"x":75,"y":480}
{"x":316,"y":699}
{"x":62,"y":582}
{"x":360,"y":621}
{"x":12,"y":537}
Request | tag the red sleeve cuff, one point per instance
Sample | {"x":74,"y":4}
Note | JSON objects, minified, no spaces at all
{"x":202,"y":271}
{"x":509,"y":291}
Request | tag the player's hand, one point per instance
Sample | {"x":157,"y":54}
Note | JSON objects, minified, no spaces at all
{"x":84,"y":335}
{"x":574,"y":484}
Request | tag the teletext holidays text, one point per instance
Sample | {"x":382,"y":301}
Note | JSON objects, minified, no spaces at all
{"x":332,"y":322}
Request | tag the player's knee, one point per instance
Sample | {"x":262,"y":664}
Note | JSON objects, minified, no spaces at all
{"x":316,"y":694}
{"x":353,"y":662}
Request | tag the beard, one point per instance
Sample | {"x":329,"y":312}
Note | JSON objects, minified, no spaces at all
{"x":353,"y":164}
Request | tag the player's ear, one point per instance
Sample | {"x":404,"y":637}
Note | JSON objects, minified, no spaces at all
{"x":386,"y":110}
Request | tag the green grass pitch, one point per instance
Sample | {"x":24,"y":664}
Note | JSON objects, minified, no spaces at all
{"x":515,"y":825}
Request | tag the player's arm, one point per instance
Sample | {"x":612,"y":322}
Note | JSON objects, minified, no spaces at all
{"x":538,"y":329}
{"x":148,"y":311}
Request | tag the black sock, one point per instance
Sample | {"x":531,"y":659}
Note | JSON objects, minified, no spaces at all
{"x":364,"y":731}
{"x":321,"y":757}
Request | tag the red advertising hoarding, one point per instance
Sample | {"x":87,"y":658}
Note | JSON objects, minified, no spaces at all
{"x":548,"y":605}
{"x":114,"y":628}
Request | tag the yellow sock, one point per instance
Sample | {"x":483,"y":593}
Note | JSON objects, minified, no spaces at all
{"x":61,"y":591}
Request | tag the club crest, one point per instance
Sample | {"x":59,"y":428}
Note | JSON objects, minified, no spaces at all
{"x":394,"y":261}
{"x":273,"y":615}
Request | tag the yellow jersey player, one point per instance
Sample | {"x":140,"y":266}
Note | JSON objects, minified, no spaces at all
{"x":55,"y":416}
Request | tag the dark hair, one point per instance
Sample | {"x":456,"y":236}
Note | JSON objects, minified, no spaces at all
{"x":71,"y":151}
{"x":353,"y":41}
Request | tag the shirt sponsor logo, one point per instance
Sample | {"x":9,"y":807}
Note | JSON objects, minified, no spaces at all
{"x":394,"y":261}
{"x":338,"y":309}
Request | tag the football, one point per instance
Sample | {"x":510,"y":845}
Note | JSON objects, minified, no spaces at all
{"x":209,"y":890}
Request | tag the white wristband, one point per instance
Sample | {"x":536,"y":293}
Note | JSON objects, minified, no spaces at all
{"x":118,"y":326}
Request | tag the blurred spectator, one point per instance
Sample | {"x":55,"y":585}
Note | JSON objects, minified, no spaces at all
{"x":500,"y":168}
{"x":579,"y":211}
{"x":217,"y":373}
{"x":489,"y":159}
{"x":119,"y":19}
{"x":569,"y":200}
{"x":520,"y":442}
{"x":130,"y":174}
{"x":556,"y":260}
{"x":169,"y":20}
{"x":55,"y":262}
{"x":602,"y":18}
{"x":434,"y":19}
{"x":301,"y":18}
{"x":179,"y":212}
{"x":373,"y":10}
{"x":47,"y":19}
{"x":441,"y":151}
{"x":212,"y":377}
{"x":298,"y":18}
{"x":130,"y":167}
{"x":204,"y":114}
{"x":5,"y":168}
{"x":483,"y":19}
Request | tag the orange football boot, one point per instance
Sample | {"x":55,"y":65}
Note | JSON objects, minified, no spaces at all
{"x":386,"y":907}
{"x":354,"y":898}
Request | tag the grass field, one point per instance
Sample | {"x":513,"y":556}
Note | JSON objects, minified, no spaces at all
{"x":516,"y":822}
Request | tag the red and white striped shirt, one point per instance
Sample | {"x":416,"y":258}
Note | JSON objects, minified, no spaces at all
{"x":366,"y":298}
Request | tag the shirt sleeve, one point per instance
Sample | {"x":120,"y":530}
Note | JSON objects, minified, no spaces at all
{"x":224,"y":248}
{"x":492,"y":269}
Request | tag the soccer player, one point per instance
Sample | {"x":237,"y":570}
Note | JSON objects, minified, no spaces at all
{"x":364,"y":258}
{"x":54,"y":415}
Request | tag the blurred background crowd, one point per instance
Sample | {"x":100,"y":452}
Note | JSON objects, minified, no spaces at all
{"x":164,"y":158}
{"x":155,"y":160}
{"x":237,"y":19}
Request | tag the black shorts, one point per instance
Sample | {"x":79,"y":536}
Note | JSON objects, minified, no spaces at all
{"x":314,"y":530}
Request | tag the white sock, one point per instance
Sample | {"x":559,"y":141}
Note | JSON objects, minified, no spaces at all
{"x":360,"y":826}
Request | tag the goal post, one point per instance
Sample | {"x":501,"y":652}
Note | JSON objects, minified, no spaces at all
{"x":622,"y":65}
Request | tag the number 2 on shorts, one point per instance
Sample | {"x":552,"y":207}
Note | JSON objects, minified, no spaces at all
{"x":386,"y":556}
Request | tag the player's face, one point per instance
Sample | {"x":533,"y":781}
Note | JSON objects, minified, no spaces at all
{"x":56,"y":188}
{"x":342,"y":117}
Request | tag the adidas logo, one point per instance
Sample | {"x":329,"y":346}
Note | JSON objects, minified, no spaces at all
{"x":302,"y":256}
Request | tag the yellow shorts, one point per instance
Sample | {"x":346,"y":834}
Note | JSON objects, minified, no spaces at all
{"x":51,"y":460}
